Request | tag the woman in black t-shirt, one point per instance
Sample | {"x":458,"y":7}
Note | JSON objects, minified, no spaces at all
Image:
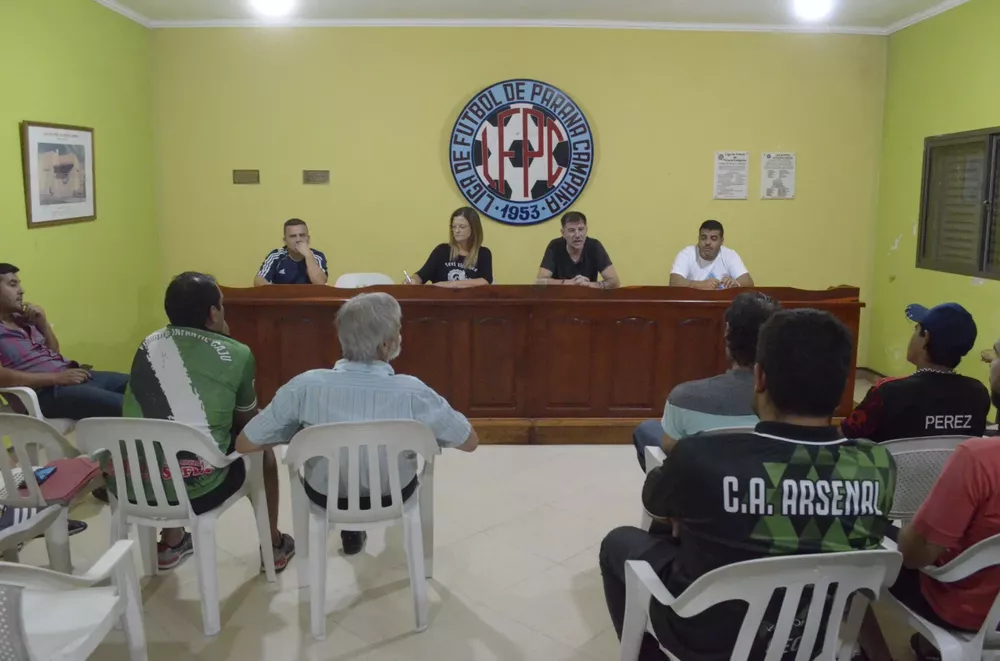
{"x":462,"y":262}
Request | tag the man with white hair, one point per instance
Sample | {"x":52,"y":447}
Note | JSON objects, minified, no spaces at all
{"x":360,"y":387}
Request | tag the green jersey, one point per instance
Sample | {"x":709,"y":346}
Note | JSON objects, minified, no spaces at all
{"x":196,"y":377}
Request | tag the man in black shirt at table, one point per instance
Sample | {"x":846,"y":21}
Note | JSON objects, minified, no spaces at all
{"x":576,"y":259}
{"x":934,"y":400}
{"x":793,"y":486}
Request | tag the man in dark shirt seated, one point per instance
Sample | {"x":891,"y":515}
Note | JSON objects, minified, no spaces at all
{"x":792,"y":486}
{"x":934,"y":400}
{"x":576,"y":259}
{"x":961,"y":510}
{"x":295,"y":263}
{"x":29,"y":357}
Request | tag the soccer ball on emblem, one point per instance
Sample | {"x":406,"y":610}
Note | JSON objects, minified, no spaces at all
{"x":545,"y":154}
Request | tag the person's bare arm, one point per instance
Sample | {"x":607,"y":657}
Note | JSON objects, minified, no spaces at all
{"x":745,"y":280}
{"x":414,"y":280}
{"x":917,"y":551}
{"x":315,"y":271}
{"x":471,"y":443}
{"x":259,"y":281}
{"x":681,"y":281}
{"x":611,"y":281}
{"x":36,"y":316}
{"x":15,"y":378}
{"x":244,"y":446}
{"x":545,"y":278}
{"x":462,"y":284}
{"x":241,"y":418}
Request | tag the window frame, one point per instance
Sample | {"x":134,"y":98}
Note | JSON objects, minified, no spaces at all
{"x":988,"y":234}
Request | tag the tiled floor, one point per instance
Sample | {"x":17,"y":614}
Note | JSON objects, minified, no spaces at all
{"x":516,"y":575}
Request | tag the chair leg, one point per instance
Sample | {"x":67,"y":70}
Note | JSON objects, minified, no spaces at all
{"x":319,"y":531}
{"x":204,"y":553}
{"x":258,"y":499}
{"x":135,"y":631}
{"x":300,"y":526}
{"x":852,"y":626}
{"x":147,"y":549}
{"x":426,"y":495}
{"x":413,"y":539}
{"x":57,"y":543}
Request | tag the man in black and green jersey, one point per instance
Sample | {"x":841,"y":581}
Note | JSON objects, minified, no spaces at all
{"x":193,"y":372}
{"x":794,"y":485}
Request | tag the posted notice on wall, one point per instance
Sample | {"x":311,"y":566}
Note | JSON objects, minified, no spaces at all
{"x":732,"y":175}
{"x":777,"y":176}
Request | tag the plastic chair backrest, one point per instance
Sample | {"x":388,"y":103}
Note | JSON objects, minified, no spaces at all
{"x":26,"y":398}
{"x":28,"y":435}
{"x":357,"y":280}
{"x":979,"y":556}
{"x":13,"y":642}
{"x":126,"y":438}
{"x":754,"y":582}
{"x":919,"y":463}
{"x":352,"y":444}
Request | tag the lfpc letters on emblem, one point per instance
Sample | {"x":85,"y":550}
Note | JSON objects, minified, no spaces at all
{"x":521,"y":151}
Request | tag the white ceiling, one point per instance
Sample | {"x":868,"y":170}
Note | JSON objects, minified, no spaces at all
{"x":864,"y":16}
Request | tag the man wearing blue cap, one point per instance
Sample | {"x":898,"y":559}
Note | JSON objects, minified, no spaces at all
{"x":935,"y":400}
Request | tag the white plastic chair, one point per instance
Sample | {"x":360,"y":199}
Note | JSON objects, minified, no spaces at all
{"x":29,"y":400}
{"x":29,"y":435}
{"x":655,"y":456}
{"x":957,"y":645}
{"x":358,"y":280}
{"x":99,"y":434}
{"x":754,"y":583}
{"x":49,"y":615}
{"x":331,"y":442}
{"x":919,"y":463}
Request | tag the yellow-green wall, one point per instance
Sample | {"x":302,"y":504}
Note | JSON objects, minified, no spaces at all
{"x":941,"y":79}
{"x":375,"y":106}
{"x":75,"y":62}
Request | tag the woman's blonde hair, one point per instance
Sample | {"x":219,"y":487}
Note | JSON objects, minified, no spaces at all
{"x":469,"y":214}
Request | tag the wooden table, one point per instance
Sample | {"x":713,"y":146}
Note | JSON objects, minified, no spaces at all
{"x":529,"y":363}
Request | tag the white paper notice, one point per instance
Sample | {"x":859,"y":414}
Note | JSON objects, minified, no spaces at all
{"x":732,"y":175}
{"x":777,"y":176}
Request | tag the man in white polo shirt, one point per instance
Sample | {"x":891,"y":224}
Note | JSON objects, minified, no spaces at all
{"x":709,"y":264}
{"x":360,"y":387}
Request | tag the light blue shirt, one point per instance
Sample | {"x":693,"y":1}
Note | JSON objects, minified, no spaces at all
{"x":719,"y":402}
{"x":356,"y":392}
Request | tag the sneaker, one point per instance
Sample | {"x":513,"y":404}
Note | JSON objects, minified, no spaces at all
{"x":283,"y":554}
{"x":169,"y":557}
{"x":353,"y":541}
{"x":12,"y":516}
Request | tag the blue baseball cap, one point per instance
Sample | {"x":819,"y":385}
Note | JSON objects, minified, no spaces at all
{"x":953,"y":330}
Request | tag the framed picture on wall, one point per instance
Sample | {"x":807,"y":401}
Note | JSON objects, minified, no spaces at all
{"x":58,"y":163}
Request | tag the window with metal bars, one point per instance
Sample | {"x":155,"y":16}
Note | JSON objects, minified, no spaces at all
{"x":959,"y":229}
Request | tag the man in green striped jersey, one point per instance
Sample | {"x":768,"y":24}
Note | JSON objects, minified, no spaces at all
{"x":193,"y":372}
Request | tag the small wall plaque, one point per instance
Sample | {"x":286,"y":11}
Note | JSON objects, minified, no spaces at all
{"x":315,"y":177}
{"x":246,"y":176}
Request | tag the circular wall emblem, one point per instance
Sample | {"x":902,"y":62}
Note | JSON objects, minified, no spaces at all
{"x":521,"y":152}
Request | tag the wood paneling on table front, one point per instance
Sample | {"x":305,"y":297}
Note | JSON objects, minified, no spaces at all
{"x":537,"y":358}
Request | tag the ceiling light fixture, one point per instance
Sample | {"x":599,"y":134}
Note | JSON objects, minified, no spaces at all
{"x":813,"y":10}
{"x":273,"y":8}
